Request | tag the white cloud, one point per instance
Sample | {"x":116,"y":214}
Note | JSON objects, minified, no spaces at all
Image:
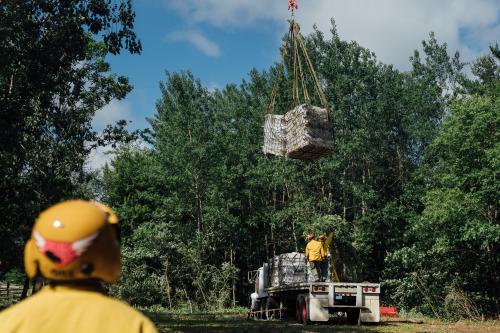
{"x":99,"y":157}
{"x":196,"y":39}
{"x":105,"y":155}
{"x":213,"y":86}
{"x":390,"y":28}
{"x":111,"y":113}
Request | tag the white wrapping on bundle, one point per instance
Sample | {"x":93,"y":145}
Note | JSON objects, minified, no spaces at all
{"x":302,"y":133}
{"x":274,"y":135}
{"x":290,"y":268}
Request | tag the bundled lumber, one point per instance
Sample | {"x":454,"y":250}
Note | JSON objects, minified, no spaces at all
{"x":274,"y":135}
{"x":308,"y":132}
{"x":289,"y":268}
{"x":303,"y":133}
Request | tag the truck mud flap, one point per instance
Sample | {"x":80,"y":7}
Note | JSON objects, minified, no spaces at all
{"x":316,"y":311}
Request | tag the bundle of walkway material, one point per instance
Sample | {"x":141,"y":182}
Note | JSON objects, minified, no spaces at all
{"x":303,"y":133}
{"x":274,"y":135}
{"x":308,"y":132}
{"x":289,"y":268}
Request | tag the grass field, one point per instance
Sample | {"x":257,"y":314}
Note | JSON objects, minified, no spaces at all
{"x":240,"y":324}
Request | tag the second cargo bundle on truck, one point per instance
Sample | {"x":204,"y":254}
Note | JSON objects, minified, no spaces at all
{"x":303,"y":133}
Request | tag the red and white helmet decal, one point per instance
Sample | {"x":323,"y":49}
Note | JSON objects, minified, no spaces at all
{"x":63,"y":253}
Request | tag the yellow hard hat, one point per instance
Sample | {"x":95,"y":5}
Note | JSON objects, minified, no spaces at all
{"x":111,"y":215}
{"x":74,"y":240}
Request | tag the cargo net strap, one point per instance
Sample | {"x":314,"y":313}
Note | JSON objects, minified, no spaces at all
{"x":296,"y":49}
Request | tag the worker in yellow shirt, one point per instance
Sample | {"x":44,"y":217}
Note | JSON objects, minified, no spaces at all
{"x":315,"y":254}
{"x":327,"y":267}
{"x":74,"y":246}
{"x":325,"y":242}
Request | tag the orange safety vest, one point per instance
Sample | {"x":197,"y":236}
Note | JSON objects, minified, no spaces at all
{"x":58,"y":309}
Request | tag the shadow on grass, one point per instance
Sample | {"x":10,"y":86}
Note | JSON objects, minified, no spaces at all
{"x":240,"y":324}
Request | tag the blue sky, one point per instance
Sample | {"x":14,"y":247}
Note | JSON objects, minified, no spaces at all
{"x":165,"y":38}
{"x":220,"y":41}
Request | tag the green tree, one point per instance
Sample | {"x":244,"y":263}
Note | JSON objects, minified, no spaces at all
{"x":53,"y":78}
{"x":453,"y":242}
{"x":220,"y":206}
{"x":487,"y":70}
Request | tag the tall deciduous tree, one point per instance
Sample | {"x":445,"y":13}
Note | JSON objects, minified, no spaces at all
{"x":53,"y":78}
{"x":452,"y":246}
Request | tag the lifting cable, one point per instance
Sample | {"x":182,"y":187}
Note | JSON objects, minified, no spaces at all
{"x":295,"y":47}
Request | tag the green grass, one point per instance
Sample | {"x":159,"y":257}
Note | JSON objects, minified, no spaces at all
{"x":6,"y":302}
{"x":185,"y":310}
{"x":226,"y":323}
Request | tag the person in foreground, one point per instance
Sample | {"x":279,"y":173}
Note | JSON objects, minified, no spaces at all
{"x":74,"y":246}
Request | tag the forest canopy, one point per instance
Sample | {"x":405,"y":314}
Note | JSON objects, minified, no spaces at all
{"x":410,"y":191}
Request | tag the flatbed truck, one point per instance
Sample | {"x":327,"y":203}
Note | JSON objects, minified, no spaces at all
{"x":312,"y":302}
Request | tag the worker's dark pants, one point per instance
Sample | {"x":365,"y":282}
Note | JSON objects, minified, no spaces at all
{"x":317,"y":266}
{"x":324,"y":270}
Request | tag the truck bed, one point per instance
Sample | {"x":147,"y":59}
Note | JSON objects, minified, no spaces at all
{"x":324,"y":299}
{"x":309,"y":285}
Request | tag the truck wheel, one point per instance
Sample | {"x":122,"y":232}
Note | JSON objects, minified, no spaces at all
{"x":298,"y":308}
{"x":271,"y":305}
{"x":353,"y":317}
{"x":262,"y":308}
{"x":254,"y":306}
{"x":302,"y":310}
{"x":289,"y":309}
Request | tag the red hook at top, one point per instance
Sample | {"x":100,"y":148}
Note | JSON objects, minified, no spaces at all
{"x":292,"y":5}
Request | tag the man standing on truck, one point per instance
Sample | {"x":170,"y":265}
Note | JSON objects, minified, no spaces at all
{"x":74,"y":246}
{"x":326,"y":259}
{"x":315,"y":254}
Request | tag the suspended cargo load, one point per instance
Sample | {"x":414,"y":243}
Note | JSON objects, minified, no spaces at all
{"x":274,"y":135}
{"x":289,"y":268}
{"x":303,"y":133}
{"x":308,"y":133}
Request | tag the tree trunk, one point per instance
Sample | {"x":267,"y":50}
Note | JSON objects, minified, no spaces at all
{"x":199,"y":203}
{"x":189,"y":300}
{"x":167,"y":281}
{"x":364,"y":207}
{"x":273,"y":241}
{"x":11,"y":83}
{"x":233,"y":280}
{"x":400,"y":168}
{"x":330,"y":198}
{"x":295,"y":236}
{"x":344,"y":197}
{"x":266,"y":243}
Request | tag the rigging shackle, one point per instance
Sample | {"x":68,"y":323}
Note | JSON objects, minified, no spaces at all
{"x":292,"y":6}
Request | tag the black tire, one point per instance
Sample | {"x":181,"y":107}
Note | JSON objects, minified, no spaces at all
{"x":289,"y":311}
{"x":271,"y":303}
{"x":298,"y":308}
{"x":260,"y":309}
{"x":302,"y":310}
{"x":353,"y":317}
